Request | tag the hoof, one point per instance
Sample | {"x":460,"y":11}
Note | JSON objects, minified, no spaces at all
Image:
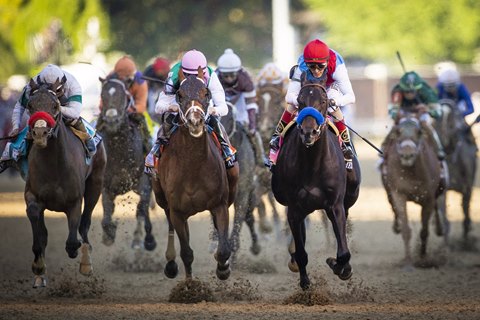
{"x":137,"y":245}
{"x":223,"y":273}
{"x":396,"y":228}
{"x":305,"y":283}
{"x":39,"y":281}
{"x":343,"y":272}
{"x":255,"y":249}
{"x":86,"y":269}
{"x":293,"y":266}
{"x":150,"y":243}
{"x":107,"y":240}
{"x":171,"y":269}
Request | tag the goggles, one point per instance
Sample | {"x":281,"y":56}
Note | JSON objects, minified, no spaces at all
{"x":229,"y":75}
{"x":319,"y":66}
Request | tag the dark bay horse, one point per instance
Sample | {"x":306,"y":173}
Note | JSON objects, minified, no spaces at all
{"x":124,"y":171}
{"x":59,"y":179}
{"x":309,"y":175}
{"x":243,"y":204}
{"x":192,"y":177}
{"x":411,"y":172}
{"x":461,"y":151}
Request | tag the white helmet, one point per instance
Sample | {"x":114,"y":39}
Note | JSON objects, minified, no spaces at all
{"x":229,"y":62}
{"x":50,"y":74}
{"x":449,"y":77}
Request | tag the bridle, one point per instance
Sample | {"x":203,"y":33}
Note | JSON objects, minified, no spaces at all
{"x":52,"y":131}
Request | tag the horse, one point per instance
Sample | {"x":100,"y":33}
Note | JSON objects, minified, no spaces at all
{"x":461,"y":151}
{"x":271,"y":103}
{"x":309,"y":175}
{"x":192,"y":177}
{"x":59,"y":178}
{"x":124,"y":171}
{"x":411,"y":172}
{"x":238,"y":135}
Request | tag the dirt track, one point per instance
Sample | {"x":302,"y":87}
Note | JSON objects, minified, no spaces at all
{"x":131,"y":284}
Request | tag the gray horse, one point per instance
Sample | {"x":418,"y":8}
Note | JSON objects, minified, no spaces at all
{"x":124,"y":172}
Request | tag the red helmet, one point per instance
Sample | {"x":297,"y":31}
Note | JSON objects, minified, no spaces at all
{"x":161,"y":66}
{"x":316,"y":51}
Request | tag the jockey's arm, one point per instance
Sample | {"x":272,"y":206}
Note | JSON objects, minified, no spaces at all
{"x":218,"y":95}
{"x":164,"y":101}
{"x":343,"y":85}
{"x":140,"y":94}
{"x":73,"y":93}
{"x":293,"y":90}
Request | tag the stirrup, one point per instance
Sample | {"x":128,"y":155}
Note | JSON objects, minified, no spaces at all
{"x":348,"y":164}
{"x":5,"y":164}
{"x":275,"y":143}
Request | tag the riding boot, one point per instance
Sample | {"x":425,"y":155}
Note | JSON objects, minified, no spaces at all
{"x":275,"y":141}
{"x":436,"y":139}
{"x":88,"y":140}
{"x":347,"y":149}
{"x":227,"y":152}
{"x":5,"y":164}
{"x":163,"y":136}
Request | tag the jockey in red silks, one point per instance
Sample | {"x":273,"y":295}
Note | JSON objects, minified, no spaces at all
{"x":318,"y":64}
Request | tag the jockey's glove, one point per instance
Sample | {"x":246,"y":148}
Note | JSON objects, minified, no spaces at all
{"x":393,"y":110}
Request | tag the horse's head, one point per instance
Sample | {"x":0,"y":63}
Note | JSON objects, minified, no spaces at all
{"x":408,"y":133}
{"x":312,"y":104}
{"x":44,"y":108}
{"x":193,"y":96}
{"x":271,"y":100}
{"x":115,"y":100}
{"x":450,"y":125}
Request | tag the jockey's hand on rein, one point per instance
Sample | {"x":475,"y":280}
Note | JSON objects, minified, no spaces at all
{"x":173,"y":108}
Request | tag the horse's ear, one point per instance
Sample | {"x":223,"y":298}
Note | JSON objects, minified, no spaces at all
{"x":102,"y":80}
{"x":181,"y":75}
{"x":64,"y":79}
{"x":33,"y":85}
{"x":200,"y":72}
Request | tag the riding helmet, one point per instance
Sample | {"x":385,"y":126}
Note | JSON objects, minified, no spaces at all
{"x":229,"y":62}
{"x":316,"y":51}
{"x":50,"y":74}
{"x":410,"y":81}
{"x":192,"y":60}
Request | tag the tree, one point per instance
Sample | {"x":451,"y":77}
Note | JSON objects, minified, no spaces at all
{"x":422,"y":30}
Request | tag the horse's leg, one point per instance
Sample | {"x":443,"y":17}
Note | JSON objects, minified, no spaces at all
{"x":213,"y":236}
{"x":232,"y":177}
{"x":73,"y":218}
{"x":220,"y":219}
{"x":427,"y":210}
{"x":241,"y":206}
{"x":399,"y":207}
{"x":296,"y":220}
{"x":250,"y":221}
{"x":467,"y":222}
{"x":35,"y":213}
{"x":180,"y":225}
{"x":171,"y":268}
{"x":263,"y":224}
{"x":143,"y":217}
{"x":109,"y":226}
{"x":93,"y":189}
{"x":341,"y":264}
{"x":275,"y":214}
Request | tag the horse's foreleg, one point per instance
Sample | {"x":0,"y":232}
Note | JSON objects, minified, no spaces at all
{"x":171,"y":268}
{"x":223,"y":252}
{"x":341,"y":264}
{"x":35,"y":213}
{"x":180,"y":225}
{"x":109,"y":227}
{"x":73,"y":218}
{"x":143,"y":215}
{"x":297,"y":226}
{"x":399,"y":207}
{"x":425,"y":216}
{"x":467,"y":222}
{"x":241,"y":207}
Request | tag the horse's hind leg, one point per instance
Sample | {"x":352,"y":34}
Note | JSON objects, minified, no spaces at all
{"x":143,"y":215}
{"x":171,"y":268}
{"x":220,"y":219}
{"x":425,"y":216}
{"x":250,"y":221}
{"x":35,"y":214}
{"x":109,"y":226}
{"x":467,"y":222}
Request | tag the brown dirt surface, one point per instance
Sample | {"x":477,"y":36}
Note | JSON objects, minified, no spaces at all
{"x":130,"y":284}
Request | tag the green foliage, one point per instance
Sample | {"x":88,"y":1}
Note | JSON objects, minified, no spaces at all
{"x":424,"y":31}
{"x":36,"y":32}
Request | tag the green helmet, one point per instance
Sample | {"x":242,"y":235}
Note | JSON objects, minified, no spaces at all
{"x":411,"y":81}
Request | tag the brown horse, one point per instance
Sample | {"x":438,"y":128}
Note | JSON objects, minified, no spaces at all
{"x":192,"y":177}
{"x":309,"y":175}
{"x":59,"y":179}
{"x":411,"y":172}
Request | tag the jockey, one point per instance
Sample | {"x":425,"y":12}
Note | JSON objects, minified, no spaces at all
{"x":323,"y":65}
{"x":70,"y":96}
{"x":449,"y":86}
{"x":168,"y":107}
{"x":158,"y":70}
{"x":125,"y":70}
{"x":413,"y":94}
{"x":240,"y":91}
{"x":271,"y":74}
